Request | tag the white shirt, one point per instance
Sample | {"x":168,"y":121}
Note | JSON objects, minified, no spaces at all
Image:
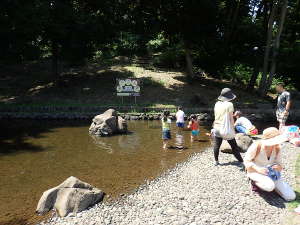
{"x":243,"y":121}
{"x":180,"y":116}
{"x":220,"y":110}
{"x":261,"y":158}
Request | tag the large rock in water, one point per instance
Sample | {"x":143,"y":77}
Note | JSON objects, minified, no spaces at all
{"x":108,"y":123}
{"x":243,"y":141}
{"x":72,"y":195}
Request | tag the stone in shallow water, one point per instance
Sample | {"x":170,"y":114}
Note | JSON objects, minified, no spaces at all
{"x":108,"y":123}
{"x":72,"y":195}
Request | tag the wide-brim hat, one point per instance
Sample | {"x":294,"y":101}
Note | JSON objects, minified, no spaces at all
{"x":272,"y":136}
{"x":226,"y":95}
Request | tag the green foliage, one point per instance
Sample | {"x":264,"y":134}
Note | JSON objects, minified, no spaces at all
{"x":238,"y":73}
{"x":220,"y":34}
{"x":128,"y":44}
{"x":157,"y":44}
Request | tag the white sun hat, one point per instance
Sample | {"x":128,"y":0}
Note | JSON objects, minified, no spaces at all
{"x":272,"y":136}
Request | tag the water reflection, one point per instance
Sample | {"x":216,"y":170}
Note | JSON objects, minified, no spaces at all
{"x":179,"y":141}
{"x":126,"y":143}
{"x":100,"y":143}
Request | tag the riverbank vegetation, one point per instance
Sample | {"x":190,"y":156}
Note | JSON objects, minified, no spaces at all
{"x":71,"y":52}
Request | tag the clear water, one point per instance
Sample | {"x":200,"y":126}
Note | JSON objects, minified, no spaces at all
{"x":38,"y":155}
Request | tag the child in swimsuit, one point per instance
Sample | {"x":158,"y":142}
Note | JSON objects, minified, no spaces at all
{"x":194,"y":126}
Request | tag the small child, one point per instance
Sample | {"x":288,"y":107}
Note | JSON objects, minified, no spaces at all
{"x":166,"y":129}
{"x":194,"y":126}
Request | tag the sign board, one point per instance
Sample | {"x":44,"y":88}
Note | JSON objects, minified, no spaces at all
{"x":128,"y":87}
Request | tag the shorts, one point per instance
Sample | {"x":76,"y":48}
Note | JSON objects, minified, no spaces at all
{"x":166,"y":134}
{"x":281,"y":116}
{"x":195,"y":132}
{"x":179,"y":124}
{"x":253,"y":132}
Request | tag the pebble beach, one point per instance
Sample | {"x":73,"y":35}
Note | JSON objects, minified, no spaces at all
{"x":196,"y":193}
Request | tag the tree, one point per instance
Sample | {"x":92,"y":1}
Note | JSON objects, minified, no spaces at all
{"x":276,"y":45}
{"x":268,"y":47}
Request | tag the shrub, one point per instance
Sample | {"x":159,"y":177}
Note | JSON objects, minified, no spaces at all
{"x":157,"y":44}
{"x":237,"y":73}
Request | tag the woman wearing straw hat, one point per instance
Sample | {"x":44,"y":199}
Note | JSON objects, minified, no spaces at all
{"x":263,"y":164}
{"x":224,"y":112}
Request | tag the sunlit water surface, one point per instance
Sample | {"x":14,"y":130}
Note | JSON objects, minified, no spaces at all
{"x":38,"y":155}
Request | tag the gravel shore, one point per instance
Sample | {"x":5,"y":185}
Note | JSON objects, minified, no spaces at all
{"x":195,"y":192}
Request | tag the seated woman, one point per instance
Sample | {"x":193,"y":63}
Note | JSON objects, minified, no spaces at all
{"x":263,"y":164}
{"x":243,"y":125}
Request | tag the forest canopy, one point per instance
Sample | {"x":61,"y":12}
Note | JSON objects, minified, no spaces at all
{"x":255,"y":42}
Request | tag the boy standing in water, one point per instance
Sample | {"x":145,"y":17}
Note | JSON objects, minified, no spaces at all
{"x":180,"y":119}
{"x":166,"y":129}
{"x":194,"y":126}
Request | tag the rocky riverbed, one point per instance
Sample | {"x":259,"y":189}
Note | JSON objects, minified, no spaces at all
{"x":195,"y":192}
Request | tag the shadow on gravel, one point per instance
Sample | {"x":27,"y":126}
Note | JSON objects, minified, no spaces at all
{"x":233,"y":163}
{"x":273,"y":199}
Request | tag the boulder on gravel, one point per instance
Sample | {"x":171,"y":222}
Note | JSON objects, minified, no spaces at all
{"x":243,"y":141}
{"x":108,"y":123}
{"x":72,"y":195}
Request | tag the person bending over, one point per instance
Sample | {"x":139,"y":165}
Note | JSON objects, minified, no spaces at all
{"x":243,"y":125}
{"x":264,"y":166}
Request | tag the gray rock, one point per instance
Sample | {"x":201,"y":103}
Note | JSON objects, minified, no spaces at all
{"x":122,"y":125}
{"x":72,"y":195}
{"x":107,"y":123}
{"x":243,"y":141}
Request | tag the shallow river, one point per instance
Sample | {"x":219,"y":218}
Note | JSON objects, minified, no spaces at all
{"x":38,"y":155}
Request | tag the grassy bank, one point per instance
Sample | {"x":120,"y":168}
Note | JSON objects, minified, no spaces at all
{"x":94,"y":85}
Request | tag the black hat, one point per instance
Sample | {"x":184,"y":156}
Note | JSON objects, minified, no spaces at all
{"x":226,"y":95}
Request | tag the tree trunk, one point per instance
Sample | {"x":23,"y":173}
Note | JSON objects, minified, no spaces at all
{"x":54,"y":49}
{"x":268,"y":48}
{"x":277,"y":45}
{"x":231,"y":26}
{"x":189,"y":63}
{"x":254,"y":75}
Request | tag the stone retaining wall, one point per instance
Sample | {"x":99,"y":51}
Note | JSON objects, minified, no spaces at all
{"x":204,"y":114}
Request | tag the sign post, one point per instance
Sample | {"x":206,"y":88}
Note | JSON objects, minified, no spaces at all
{"x":128,"y":87}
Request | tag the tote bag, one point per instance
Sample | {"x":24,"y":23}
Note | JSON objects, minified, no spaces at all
{"x":227,"y":130}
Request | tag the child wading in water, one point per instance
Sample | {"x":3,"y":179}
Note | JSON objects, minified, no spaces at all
{"x":166,"y":129}
{"x":194,"y":126}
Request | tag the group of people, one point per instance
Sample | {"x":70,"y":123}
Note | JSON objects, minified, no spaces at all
{"x":193,"y":125}
{"x":262,"y":161}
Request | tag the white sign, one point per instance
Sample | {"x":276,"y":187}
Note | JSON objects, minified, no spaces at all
{"x":128,"y":87}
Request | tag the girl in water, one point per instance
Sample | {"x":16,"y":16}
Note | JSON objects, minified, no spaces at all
{"x":194,"y":126}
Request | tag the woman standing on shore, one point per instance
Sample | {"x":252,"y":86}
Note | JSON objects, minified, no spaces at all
{"x":223,"y":126}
